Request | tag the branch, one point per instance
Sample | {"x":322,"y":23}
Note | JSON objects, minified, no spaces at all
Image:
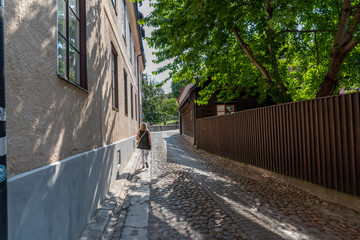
{"x":343,"y":22}
{"x":250,"y":55}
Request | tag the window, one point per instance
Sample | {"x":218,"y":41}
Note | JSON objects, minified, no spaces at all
{"x":125,"y":93}
{"x":222,"y":109}
{"x":130,"y":45}
{"x":136,"y":107}
{"x":71,"y":41}
{"x":135,"y":61}
{"x":114,"y":79}
{"x":124,"y":19}
{"x":132,"y":101}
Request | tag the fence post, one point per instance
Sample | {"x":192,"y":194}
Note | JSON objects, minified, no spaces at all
{"x":3,"y":148}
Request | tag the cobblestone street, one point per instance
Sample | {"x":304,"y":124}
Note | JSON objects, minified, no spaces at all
{"x":191,"y":194}
{"x":196,"y":195}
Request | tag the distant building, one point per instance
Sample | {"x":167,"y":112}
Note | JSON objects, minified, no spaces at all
{"x":189,"y":111}
{"x":73,"y":84}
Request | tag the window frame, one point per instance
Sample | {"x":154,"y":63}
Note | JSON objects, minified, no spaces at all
{"x":224,"y":112}
{"x":132,"y":101}
{"x":125,"y":94}
{"x":130,"y":44}
{"x":136,"y":108}
{"x":114,"y":78}
{"x":124,"y":20}
{"x":82,"y":83}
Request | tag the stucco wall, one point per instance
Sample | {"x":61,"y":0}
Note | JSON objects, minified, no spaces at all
{"x":48,"y":118}
{"x":57,"y":201}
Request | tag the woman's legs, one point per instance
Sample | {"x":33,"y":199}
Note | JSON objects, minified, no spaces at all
{"x":144,"y":157}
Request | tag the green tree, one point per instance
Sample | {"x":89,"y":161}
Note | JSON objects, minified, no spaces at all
{"x":169,"y":109}
{"x":176,"y":88}
{"x":152,"y":98}
{"x":287,"y":50}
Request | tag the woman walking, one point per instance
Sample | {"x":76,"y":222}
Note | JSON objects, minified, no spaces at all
{"x":144,"y":144}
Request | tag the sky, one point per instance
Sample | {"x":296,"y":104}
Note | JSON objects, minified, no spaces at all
{"x":150,"y":66}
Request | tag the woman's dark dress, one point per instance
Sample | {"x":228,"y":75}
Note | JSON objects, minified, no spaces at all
{"x":144,"y":142}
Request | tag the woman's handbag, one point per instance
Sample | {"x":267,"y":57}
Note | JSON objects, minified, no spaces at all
{"x":138,"y":141}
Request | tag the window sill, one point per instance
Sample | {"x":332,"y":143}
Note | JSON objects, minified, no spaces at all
{"x":74,"y":84}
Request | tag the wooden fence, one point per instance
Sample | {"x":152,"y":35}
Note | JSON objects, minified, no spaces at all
{"x":316,"y":140}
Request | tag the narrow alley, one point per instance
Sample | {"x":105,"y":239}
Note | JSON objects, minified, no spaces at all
{"x":191,"y":194}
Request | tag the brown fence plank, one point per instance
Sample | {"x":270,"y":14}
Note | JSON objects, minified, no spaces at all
{"x":300,"y":144}
{"x":352,"y":163}
{"x":333,"y":144}
{"x":339,"y":155}
{"x":326,"y":143}
{"x":288,"y":138}
{"x":356,"y":108}
{"x":316,"y":140}
{"x":345,"y":149}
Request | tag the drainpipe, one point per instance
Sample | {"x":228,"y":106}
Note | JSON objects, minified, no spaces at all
{"x":139,"y":85}
{"x":194,"y":118}
{"x":3,"y":148}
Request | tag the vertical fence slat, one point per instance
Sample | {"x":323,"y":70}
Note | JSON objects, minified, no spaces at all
{"x":317,"y":143}
{"x":307,"y":141}
{"x":339,"y":156}
{"x":265,"y":142}
{"x":333,"y":144}
{"x":316,"y":140}
{"x":303,"y":142}
{"x":321,"y":143}
{"x":300,"y":148}
{"x":296,"y":146}
{"x":276,"y":143}
{"x":251,"y":136}
{"x":283,"y":144}
{"x":312,"y":143}
{"x":353,"y":183}
{"x":289,"y":155}
{"x":344,"y":134}
{"x":279,"y":138}
{"x":326,"y":143}
{"x":357,"y":137}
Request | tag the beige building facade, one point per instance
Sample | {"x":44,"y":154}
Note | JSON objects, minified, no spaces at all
{"x":73,"y":96}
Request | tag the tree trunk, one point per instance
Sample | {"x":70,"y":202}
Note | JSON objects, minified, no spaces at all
{"x":343,"y":44}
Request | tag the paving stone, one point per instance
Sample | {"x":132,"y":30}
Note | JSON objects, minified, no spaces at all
{"x":191,"y":194}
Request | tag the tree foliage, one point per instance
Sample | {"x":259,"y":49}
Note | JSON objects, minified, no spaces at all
{"x":176,"y":88}
{"x":289,"y":50}
{"x":156,"y":108}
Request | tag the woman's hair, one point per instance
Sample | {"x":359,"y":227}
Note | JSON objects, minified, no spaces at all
{"x":143,"y":127}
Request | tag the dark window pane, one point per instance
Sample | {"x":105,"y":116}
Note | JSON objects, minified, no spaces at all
{"x":74,"y":30}
{"x":74,"y":65}
{"x":74,"y":5}
{"x":61,"y":55}
{"x":61,"y":17}
{"x":124,"y":19}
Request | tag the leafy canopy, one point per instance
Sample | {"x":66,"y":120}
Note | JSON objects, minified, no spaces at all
{"x":280,"y":49}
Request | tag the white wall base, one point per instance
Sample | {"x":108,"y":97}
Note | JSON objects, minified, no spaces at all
{"x":57,"y":201}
